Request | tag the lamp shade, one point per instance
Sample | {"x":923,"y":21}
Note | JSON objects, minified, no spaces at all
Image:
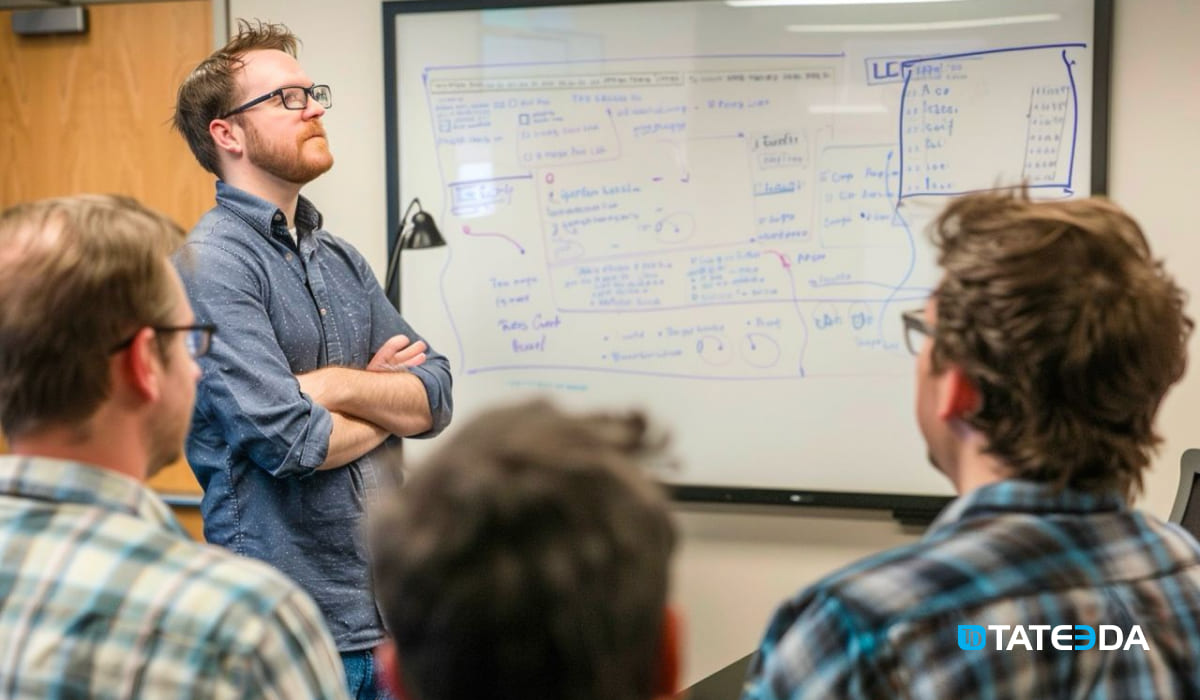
{"x":424,"y":234}
{"x":416,"y":233}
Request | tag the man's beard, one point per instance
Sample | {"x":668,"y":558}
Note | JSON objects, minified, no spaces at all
{"x":166,"y":442}
{"x":288,"y":164}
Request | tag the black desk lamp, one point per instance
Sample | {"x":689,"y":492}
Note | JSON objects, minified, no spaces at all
{"x":420,"y":232}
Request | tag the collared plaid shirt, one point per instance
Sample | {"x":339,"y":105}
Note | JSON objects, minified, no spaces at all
{"x":1010,"y":553}
{"x":103,"y":596}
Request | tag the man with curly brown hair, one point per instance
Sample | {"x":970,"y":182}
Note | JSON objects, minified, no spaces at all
{"x":1042,"y":358}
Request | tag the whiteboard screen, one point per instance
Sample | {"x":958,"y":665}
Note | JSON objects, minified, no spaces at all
{"x":718,"y":213}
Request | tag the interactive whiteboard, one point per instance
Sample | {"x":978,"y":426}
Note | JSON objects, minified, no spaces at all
{"x":718,"y":212}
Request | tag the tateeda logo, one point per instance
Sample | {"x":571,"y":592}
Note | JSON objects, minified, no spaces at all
{"x":1061,"y":637}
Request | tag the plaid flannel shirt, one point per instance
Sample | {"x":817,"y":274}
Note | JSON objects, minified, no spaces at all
{"x":102,"y":595}
{"x":1010,"y":553}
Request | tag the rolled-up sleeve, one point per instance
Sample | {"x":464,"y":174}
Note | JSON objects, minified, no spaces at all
{"x":434,"y":373}
{"x":247,"y":386}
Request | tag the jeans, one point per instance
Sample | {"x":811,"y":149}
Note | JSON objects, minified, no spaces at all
{"x":360,"y":676}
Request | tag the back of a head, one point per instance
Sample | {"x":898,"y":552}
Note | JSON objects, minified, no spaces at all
{"x":76,"y":275}
{"x":528,"y":560}
{"x":1069,"y":327}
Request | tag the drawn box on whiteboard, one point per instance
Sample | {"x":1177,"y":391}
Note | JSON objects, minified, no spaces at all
{"x":994,"y":107}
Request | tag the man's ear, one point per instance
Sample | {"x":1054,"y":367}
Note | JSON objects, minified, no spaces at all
{"x":226,"y":136}
{"x":387,"y":669}
{"x":670,"y":651}
{"x":140,"y":366}
{"x":957,"y":394}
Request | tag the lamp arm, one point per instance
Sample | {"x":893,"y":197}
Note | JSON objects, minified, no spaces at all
{"x":392,"y":278}
{"x":415,"y":203}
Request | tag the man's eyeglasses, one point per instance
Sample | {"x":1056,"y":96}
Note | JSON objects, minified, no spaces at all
{"x":292,"y":96}
{"x":915,"y":328}
{"x":197,"y":338}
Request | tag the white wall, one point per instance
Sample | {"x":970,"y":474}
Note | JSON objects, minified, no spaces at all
{"x":1155,"y":145}
{"x":735,"y":565}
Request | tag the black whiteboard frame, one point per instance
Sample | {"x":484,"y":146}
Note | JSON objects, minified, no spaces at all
{"x":907,"y":508}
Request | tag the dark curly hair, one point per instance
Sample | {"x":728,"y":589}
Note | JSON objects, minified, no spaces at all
{"x":1068,"y":326}
{"x":531,"y":556}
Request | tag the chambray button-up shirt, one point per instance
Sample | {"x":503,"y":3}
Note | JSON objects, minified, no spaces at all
{"x":284,"y":308}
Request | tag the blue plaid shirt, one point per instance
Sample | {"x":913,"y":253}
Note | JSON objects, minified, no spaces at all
{"x":1010,"y":553}
{"x":284,"y":308}
{"x":102,"y":595}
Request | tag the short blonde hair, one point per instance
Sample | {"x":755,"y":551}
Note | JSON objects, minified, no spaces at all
{"x":77,"y":274}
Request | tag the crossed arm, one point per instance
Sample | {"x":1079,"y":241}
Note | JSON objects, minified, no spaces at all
{"x":369,"y":405}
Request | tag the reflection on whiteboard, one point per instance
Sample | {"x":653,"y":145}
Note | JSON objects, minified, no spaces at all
{"x":727,"y":237}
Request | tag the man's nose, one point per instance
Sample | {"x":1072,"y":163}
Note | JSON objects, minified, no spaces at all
{"x":313,"y":110}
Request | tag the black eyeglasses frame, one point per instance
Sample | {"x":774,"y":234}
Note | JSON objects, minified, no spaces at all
{"x":199,"y":350}
{"x":278,"y":92}
{"x":914,"y":321}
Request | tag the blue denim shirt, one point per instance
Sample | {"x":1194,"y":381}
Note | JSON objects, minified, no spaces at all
{"x":256,"y":441}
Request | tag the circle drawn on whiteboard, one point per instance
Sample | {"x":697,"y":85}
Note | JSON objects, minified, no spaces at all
{"x":861,"y":317}
{"x":713,"y":350}
{"x":675,"y":228}
{"x":760,"y":350}
{"x":568,"y":250}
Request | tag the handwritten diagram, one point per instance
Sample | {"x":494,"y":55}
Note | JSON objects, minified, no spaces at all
{"x":724,"y":217}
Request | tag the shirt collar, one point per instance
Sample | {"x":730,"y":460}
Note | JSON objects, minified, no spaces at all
{"x":261,"y":215}
{"x":60,"y":481}
{"x":1021,"y":496}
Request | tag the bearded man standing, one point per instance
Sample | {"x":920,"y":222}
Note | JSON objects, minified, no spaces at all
{"x":314,"y":371}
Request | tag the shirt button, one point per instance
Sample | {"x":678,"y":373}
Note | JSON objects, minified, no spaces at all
{"x":288,"y":257}
{"x":322,"y":312}
{"x":278,"y":218}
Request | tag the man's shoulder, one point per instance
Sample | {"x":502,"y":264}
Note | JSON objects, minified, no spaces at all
{"x":181,"y":586}
{"x":129,"y":590}
{"x":219,"y":244}
{"x":166,"y":583}
{"x":1004,"y":556}
{"x":224,"y":604}
{"x":219,"y":226}
{"x":907,"y":579}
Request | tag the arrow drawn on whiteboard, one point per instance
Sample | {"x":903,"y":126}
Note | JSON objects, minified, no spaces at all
{"x":468,"y":232}
{"x":783,"y":259}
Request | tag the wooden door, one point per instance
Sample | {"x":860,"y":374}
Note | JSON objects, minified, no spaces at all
{"x":91,"y":113}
